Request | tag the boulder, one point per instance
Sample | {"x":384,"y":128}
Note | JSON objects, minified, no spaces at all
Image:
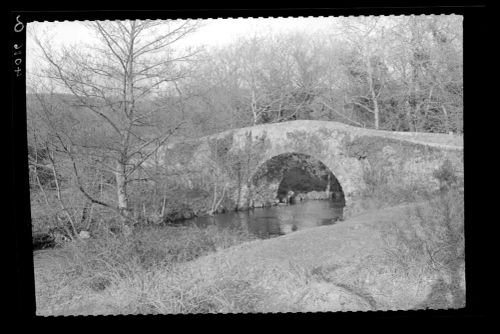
{"x":188,"y":214}
{"x":317,"y":195}
{"x":84,"y":234}
{"x":268,"y":204}
{"x":286,"y":228}
{"x":258,"y":204}
{"x":300,"y":196}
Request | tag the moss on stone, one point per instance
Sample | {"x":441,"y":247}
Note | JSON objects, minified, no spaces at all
{"x":219,"y":147}
{"x":240,"y":163}
{"x":371,"y":148}
{"x":306,"y":142}
{"x":326,"y":132}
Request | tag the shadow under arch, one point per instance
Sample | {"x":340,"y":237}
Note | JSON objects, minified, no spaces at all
{"x":303,"y":174}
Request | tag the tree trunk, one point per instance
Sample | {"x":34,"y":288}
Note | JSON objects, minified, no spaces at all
{"x":122,"y":195}
{"x":212,"y":209}
{"x":254,"y":108}
{"x":375,"y":106}
{"x":409,"y":118}
{"x":446,"y":120}
{"x":376,"y":113}
{"x":163,"y":206}
{"x":373,"y":94}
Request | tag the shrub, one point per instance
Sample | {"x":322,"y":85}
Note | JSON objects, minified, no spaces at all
{"x":108,"y":258}
{"x":375,"y":178}
{"x":431,"y":240}
{"x":386,"y":187}
{"x":142,"y":267}
{"x":446,"y":175}
{"x":383,"y":189}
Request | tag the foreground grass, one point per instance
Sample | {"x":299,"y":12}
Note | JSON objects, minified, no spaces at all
{"x":406,"y":257}
{"x":82,"y":270}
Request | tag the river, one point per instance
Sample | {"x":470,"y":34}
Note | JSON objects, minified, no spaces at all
{"x":278,"y":220}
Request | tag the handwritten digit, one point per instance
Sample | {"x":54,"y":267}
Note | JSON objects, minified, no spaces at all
{"x":19,"y":25}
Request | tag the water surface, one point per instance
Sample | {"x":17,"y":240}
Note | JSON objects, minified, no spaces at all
{"x":278,"y":220}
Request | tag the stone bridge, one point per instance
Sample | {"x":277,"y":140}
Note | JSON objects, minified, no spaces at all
{"x":237,"y":162}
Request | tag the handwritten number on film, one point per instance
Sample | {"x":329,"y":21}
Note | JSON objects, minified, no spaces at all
{"x":18,"y":27}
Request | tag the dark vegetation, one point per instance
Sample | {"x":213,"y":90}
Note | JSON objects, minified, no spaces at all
{"x":299,"y":181}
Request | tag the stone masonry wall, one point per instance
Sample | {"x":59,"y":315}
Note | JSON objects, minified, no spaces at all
{"x":347,"y":151}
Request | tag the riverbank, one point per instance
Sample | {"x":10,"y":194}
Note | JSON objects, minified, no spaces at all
{"x":261,"y":220}
{"x":362,"y":263}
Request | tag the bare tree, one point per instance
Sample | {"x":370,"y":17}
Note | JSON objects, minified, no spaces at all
{"x":113,"y":81}
{"x":367,"y":65}
{"x":428,"y":64}
{"x":48,"y":136}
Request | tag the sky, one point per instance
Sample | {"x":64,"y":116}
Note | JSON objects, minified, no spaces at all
{"x":214,"y":32}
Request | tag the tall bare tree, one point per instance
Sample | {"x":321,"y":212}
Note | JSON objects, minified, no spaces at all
{"x":114,"y":82}
{"x":366,"y":37}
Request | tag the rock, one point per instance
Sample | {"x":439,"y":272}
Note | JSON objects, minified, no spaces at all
{"x":290,"y":197}
{"x":317,"y":195}
{"x":286,"y":228}
{"x":188,"y":214}
{"x":219,"y":210}
{"x":127,"y":230}
{"x":327,"y":297}
{"x":84,"y":235}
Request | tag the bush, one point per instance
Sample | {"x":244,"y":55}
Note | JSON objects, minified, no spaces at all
{"x":144,"y":267}
{"x":446,"y":175}
{"x":431,"y":240}
{"x":109,"y":258}
{"x":386,"y":187}
{"x":375,"y":179}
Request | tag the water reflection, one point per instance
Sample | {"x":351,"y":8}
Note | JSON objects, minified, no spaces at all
{"x":279,"y":220}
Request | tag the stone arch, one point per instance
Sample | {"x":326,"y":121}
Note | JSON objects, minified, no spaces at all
{"x":268,"y":175}
{"x":347,"y":152}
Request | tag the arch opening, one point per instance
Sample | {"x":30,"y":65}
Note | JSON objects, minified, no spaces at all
{"x":289,"y":178}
